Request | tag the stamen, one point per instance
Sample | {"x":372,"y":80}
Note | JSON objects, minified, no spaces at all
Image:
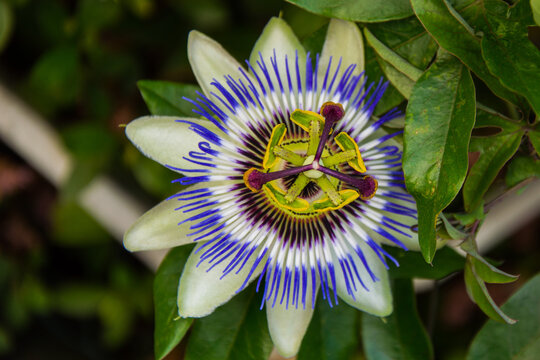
{"x":332,"y":113}
{"x":255,"y":179}
{"x":330,"y":190}
{"x":296,"y":188}
{"x":366,"y":185}
{"x":339,"y":158}
{"x":314,"y":141}
{"x":287,"y":155}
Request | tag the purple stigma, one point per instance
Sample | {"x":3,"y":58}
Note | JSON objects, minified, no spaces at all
{"x":366,"y":185}
{"x":255,"y":179}
{"x":332,"y":113}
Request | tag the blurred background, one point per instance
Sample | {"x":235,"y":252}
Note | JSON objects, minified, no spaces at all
{"x":68,"y":289}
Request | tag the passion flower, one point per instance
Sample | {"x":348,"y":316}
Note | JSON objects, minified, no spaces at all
{"x":293,"y":183}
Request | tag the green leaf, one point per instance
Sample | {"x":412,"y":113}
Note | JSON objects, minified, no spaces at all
{"x":490,"y":273}
{"x":49,"y":23}
{"x":117,"y":319}
{"x":521,"y":341}
{"x":392,"y":58}
{"x":476,"y":288}
{"x":400,"y":336}
{"x":408,"y":39}
{"x":358,"y":10}
{"x":6,"y":23}
{"x":95,"y":15}
{"x":412,"y":264}
{"x":332,"y":333}
{"x":522,"y":168}
{"x":87,"y":140}
{"x":534,"y":138}
{"x":166,"y":98}
{"x":439,"y":120}
{"x":404,"y":50}
{"x":494,"y":151}
{"x":235,"y":331}
{"x":6,"y":341}
{"x":93,"y":148}
{"x":483,"y":268}
{"x":73,"y":226}
{"x":56,"y":78}
{"x":400,"y":81}
{"x":314,"y":42}
{"x":454,"y":233}
{"x":452,"y":33}
{"x":508,"y":52}
{"x":476,"y":214}
{"x":535,"y":7}
{"x":169,"y":329}
{"x":78,"y":300}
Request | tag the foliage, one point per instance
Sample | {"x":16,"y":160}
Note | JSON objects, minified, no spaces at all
{"x":521,"y":341}
{"x":332,"y":334}
{"x":437,"y":132}
{"x":169,"y":329}
{"x":401,"y":336}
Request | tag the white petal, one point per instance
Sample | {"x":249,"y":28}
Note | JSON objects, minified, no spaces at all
{"x":376,"y":301}
{"x":278,"y":36}
{"x":163,"y":139}
{"x":288,"y":326}
{"x":209,"y":61}
{"x":201,"y":292}
{"x":158,"y":228}
{"x":343,"y":39}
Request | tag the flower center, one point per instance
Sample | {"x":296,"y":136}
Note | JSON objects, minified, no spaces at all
{"x":314,"y":173}
{"x":312,"y":165}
